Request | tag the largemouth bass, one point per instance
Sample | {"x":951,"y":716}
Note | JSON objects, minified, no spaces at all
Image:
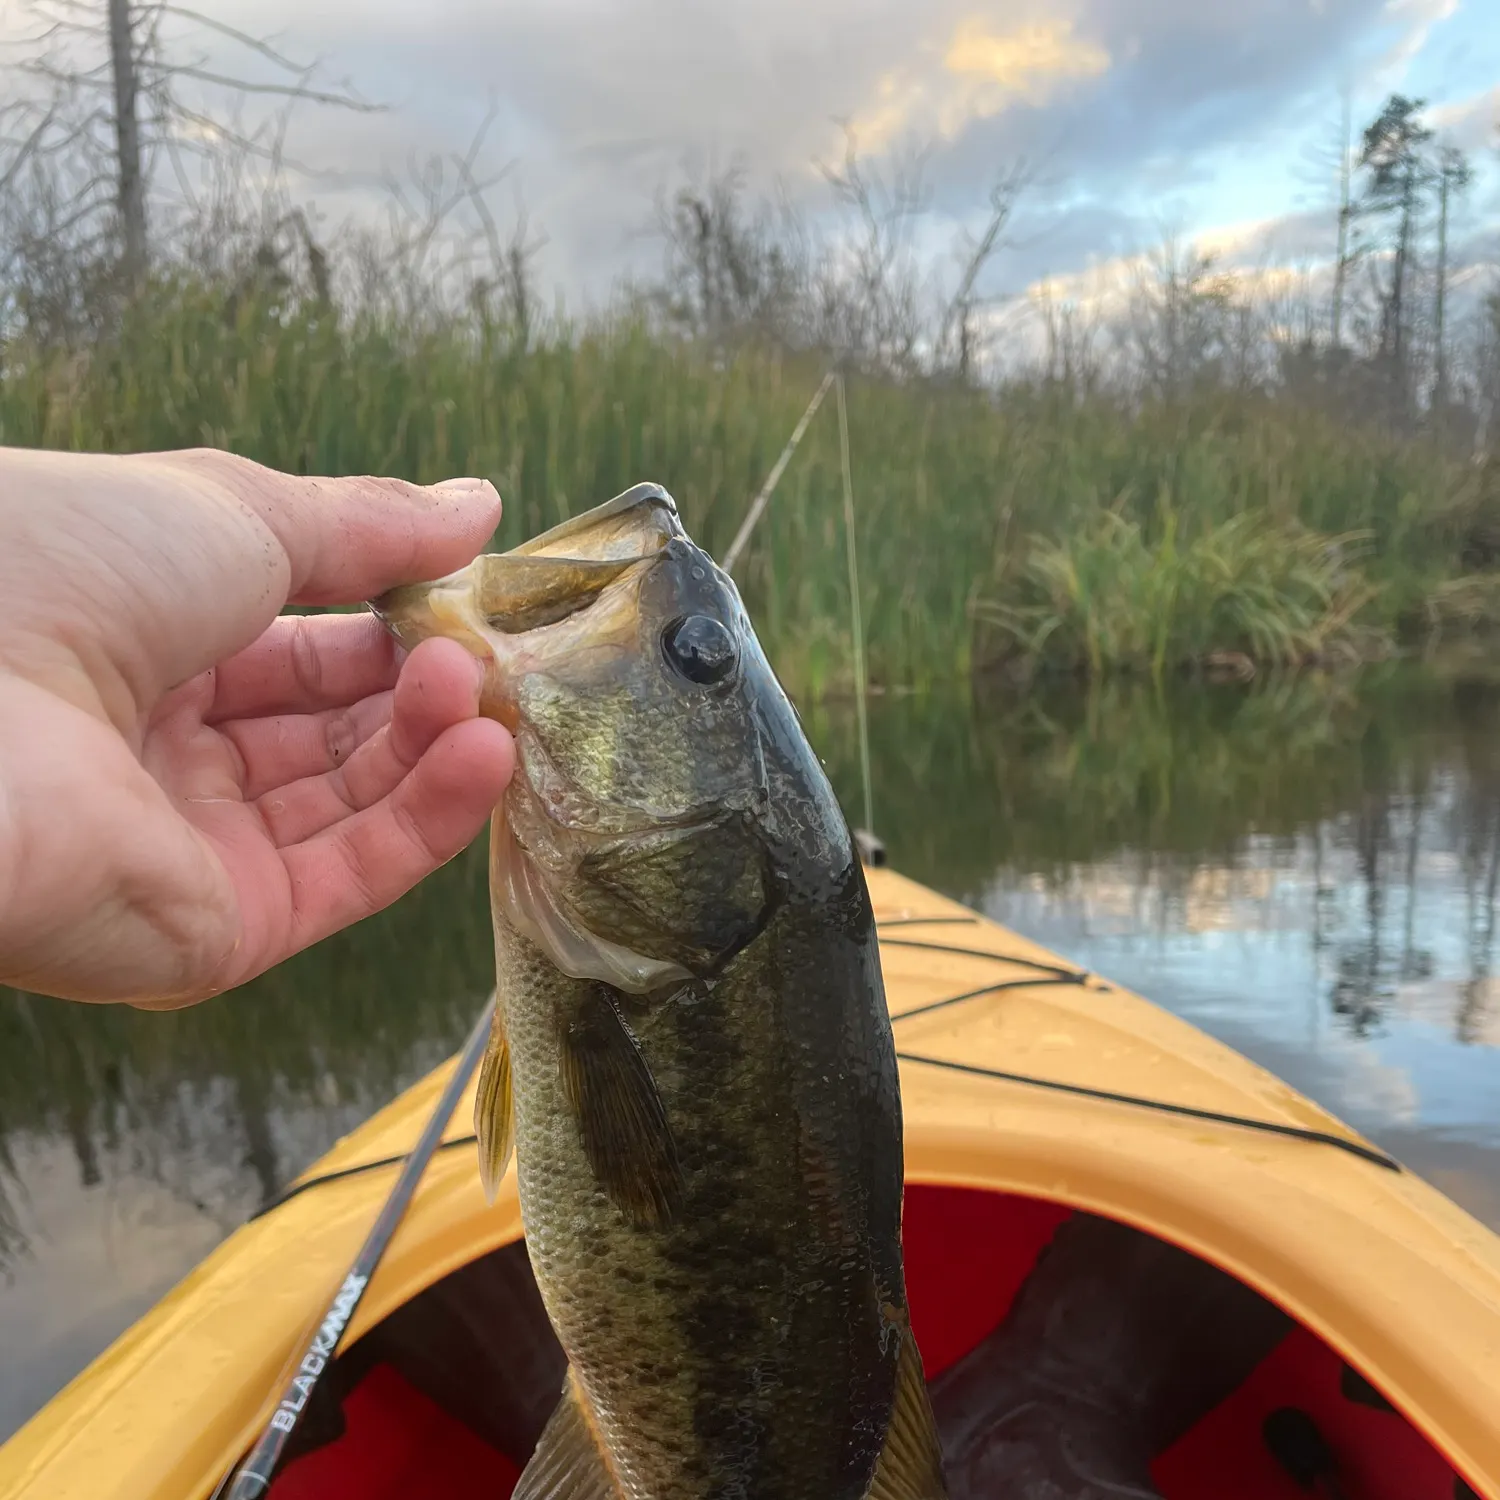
{"x":691,"y":1052}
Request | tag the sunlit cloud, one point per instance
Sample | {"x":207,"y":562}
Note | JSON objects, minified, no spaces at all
{"x":1239,"y":262}
{"x":979,"y":74}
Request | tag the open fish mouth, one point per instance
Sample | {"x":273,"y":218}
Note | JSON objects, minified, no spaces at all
{"x":565,"y":603}
{"x":572,"y":629}
{"x":500,"y":598}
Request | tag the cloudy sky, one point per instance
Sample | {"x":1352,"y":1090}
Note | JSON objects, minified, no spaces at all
{"x":1136,"y":117}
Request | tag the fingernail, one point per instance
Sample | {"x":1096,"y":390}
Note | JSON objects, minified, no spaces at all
{"x":460,"y":486}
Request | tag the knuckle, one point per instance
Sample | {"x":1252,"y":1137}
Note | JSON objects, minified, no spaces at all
{"x":416,"y":833}
{"x":307,"y":661}
{"x":362,"y":885}
{"x":340,"y":738}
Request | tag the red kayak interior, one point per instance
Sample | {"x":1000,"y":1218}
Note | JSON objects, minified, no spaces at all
{"x":1060,"y":1349}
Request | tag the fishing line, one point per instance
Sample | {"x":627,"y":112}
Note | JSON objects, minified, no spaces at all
{"x":856,"y":613}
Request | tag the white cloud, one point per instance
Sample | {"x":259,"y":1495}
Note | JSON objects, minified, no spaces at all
{"x":1471,"y":124}
{"x":1414,"y":20}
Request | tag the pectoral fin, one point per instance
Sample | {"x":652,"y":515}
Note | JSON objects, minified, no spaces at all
{"x":569,"y":1463}
{"x":494,"y":1119}
{"x":910,"y":1466}
{"x":626,"y":1135}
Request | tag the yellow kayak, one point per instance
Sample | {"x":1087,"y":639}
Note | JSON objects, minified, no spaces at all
{"x":1134,"y":1259}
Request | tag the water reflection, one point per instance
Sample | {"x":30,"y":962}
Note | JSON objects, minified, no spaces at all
{"x":1308,"y":870}
{"x":131,"y":1143}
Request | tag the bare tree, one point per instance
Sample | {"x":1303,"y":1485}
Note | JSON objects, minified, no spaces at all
{"x":1346,"y":215}
{"x":876,"y":308}
{"x":731,"y":268}
{"x":1453,"y":176}
{"x":957,"y":327}
{"x":854,"y":288}
{"x":104,"y":100}
{"x":1487,"y":378}
{"x":427,"y":263}
{"x":1072,"y":337}
{"x":1395,"y":158}
{"x":130,"y":176}
{"x":512,"y":268}
{"x":1189,"y":323}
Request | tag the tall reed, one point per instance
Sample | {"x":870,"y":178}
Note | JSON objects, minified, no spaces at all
{"x":968,"y":501}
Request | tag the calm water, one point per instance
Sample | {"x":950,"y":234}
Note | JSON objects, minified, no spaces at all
{"x":1307,"y":870}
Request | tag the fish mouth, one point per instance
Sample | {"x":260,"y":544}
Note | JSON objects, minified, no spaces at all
{"x":500,"y":605}
{"x":570,"y":594}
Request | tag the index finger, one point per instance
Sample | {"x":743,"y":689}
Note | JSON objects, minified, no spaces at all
{"x":304,"y":663}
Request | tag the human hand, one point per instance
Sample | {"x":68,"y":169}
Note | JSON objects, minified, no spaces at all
{"x":191,"y":788}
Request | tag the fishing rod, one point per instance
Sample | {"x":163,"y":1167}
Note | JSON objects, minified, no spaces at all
{"x":253,"y":1477}
{"x":763,"y":499}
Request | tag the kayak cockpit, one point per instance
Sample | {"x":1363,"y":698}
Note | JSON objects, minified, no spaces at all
{"x":1068,"y":1355}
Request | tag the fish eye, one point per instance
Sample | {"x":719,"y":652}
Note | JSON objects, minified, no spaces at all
{"x":699,"y":648}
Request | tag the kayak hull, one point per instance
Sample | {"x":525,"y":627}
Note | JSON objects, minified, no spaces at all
{"x":1376,"y":1269}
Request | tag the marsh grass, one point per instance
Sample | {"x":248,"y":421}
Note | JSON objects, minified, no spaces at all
{"x":1245,"y":588}
{"x":1040,"y":521}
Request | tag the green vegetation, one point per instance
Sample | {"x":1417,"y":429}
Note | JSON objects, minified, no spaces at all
{"x":1242,"y":590}
{"x":1039,"y":524}
{"x":1195,"y":469}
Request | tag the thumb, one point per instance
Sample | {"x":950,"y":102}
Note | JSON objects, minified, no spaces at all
{"x":347,"y":540}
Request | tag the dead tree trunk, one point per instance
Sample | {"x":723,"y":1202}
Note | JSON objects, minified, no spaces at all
{"x":1346,"y":215}
{"x":130,"y":178}
{"x":1440,"y":297}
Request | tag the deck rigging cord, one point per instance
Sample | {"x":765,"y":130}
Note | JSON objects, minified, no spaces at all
{"x":1050,"y":975}
{"x":1061,"y":971}
{"x":1108,"y":1096}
